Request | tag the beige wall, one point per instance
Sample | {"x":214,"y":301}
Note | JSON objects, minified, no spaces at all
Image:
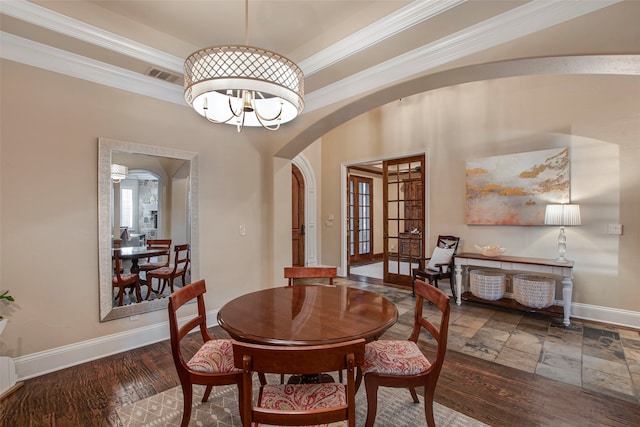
{"x":489,"y":118}
{"x":49,"y":241}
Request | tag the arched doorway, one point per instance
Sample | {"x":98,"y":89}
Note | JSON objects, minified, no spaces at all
{"x":297,"y":217}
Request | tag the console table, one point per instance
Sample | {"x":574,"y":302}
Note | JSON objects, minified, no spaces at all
{"x":511,"y":263}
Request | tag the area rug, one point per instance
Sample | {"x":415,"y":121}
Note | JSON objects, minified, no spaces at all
{"x":375,"y":270}
{"x":395,"y":408}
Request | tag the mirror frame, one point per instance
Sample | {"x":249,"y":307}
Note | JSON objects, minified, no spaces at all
{"x":105,"y":149}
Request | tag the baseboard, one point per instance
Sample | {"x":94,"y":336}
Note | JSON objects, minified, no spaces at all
{"x":36,"y":364}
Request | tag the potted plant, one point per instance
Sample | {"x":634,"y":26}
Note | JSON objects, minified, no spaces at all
{"x":6,"y":297}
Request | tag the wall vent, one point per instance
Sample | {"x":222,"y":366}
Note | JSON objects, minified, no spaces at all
{"x":163,"y":75}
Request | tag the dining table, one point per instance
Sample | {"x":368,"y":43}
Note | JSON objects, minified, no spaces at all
{"x":307,"y":315}
{"x":134,"y":253}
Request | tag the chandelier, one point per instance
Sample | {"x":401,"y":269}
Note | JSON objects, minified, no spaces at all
{"x":243,"y":85}
{"x":118,"y":172}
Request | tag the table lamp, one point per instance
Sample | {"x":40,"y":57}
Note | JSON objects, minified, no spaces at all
{"x":562,"y":215}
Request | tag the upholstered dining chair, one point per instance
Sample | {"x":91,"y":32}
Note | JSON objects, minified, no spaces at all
{"x":328,"y":273}
{"x":212,"y":364}
{"x":167,"y":275}
{"x":398,"y":363}
{"x":122,"y":281}
{"x":153,"y":263}
{"x":298,"y":404}
{"x":439,"y":266}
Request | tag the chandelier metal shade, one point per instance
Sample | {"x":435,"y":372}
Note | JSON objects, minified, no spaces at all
{"x":243,"y":86}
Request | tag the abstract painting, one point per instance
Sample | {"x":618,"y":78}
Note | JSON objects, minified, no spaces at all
{"x":514,"y":189}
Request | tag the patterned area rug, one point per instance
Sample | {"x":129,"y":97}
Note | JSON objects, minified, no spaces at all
{"x":395,"y":408}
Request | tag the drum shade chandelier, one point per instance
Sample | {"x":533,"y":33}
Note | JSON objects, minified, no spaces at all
{"x":118,"y":172}
{"x":243,"y":85}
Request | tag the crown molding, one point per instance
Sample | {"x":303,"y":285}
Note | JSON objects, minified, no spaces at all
{"x":527,"y":19}
{"x":394,"y":23}
{"x":38,"y":55}
{"x":59,"y":23}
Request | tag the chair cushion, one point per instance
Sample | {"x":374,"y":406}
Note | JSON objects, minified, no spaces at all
{"x":215,"y":356}
{"x":290,"y":397}
{"x":394,"y":357}
{"x":440,"y":256}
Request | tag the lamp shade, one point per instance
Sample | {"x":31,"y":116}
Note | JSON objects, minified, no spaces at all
{"x":564,"y":214}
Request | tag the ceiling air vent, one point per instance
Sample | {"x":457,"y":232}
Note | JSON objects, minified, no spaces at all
{"x":163,"y":75}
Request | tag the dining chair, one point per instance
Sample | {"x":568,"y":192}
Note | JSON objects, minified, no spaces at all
{"x":122,"y":281}
{"x":167,"y":275}
{"x":153,"y":263}
{"x":212,"y":364}
{"x":439,"y":266}
{"x":326,"y":273}
{"x":298,"y":404}
{"x":399,"y":363}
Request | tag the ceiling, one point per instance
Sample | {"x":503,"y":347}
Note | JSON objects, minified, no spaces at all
{"x":346,"y":48}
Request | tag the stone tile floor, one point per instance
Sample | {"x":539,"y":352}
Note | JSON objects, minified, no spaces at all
{"x":596,"y":357}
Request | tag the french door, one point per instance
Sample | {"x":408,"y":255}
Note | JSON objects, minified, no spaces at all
{"x":360,"y":226}
{"x":404,"y":223}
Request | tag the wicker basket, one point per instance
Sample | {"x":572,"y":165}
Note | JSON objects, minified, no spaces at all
{"x":534,"y":291}
{"x":488,"y":285}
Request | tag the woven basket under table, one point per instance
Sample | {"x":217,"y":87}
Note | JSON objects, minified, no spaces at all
{"x":488,"y":285}
{"x":534,"y":291}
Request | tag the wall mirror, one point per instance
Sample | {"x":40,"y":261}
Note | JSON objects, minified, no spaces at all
{"x":156,"y":197}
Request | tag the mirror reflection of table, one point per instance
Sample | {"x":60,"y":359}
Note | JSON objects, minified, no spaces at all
{"x":307,"y":315}
{"x":134,"y":253}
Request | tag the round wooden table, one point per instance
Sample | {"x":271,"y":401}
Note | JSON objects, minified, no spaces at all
{"x":307,"y":315}
{"x":134,"y":253}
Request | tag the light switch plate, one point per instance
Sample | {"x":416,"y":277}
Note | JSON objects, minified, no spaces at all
{"x":614,"y":229}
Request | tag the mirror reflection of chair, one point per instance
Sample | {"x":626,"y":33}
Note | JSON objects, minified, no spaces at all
{"x":213,"y":364}
{"x":167,"y":275}
{"x":327,"y":273}
{"x":400,"y":364}
{"x":122,"y":281}
{"x":298,"y":404}
{"x":439,"y":266}
{"x":156,"y":262}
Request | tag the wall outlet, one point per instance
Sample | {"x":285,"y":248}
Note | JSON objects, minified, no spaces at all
{"x":614,"y":229}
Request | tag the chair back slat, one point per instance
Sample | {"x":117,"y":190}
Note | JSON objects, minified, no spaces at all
{"x":293,"y":273}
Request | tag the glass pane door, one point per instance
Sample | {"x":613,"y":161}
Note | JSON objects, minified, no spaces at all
{"x":403,"y":185}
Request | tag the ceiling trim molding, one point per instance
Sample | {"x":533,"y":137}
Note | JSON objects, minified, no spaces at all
{"x":527,"y":19}
{"x":38,"y":55}
{"x":394,"y":23}
{"x":59,"y":23}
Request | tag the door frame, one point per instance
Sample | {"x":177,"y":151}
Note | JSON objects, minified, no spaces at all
{"x":310,"y":210}
{"x":344,"y":248}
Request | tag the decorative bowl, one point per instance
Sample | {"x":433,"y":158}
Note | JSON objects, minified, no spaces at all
{"x":491,"y":250}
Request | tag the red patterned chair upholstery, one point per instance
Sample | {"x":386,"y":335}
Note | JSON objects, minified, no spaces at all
{"x":213,"y":363}
{"x":397,"y":363}
{"x":299,"y":404}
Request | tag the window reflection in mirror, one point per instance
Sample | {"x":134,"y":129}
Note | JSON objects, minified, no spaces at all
{"x":153,"y":200}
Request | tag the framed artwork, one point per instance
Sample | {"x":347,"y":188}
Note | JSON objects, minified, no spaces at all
{"x":514,"y":189}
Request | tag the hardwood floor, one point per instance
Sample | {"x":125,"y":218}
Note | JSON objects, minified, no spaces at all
{"x":88,"y":394}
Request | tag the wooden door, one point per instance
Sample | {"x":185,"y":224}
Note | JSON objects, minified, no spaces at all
{"x":360,"y":222}
{"x":404,"y":224}
{"x":297,"y":217}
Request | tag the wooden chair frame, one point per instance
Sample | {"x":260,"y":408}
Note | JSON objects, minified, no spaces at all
{"x":306,"y":360}
{"x":433,"y":276}
{"x":427,"y":379}
{"x":156,"y":244}
{"x":168,"y":274}
{"x":293,"y":273}
{"x":187,"y":376}
{"x":122,"y":281}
